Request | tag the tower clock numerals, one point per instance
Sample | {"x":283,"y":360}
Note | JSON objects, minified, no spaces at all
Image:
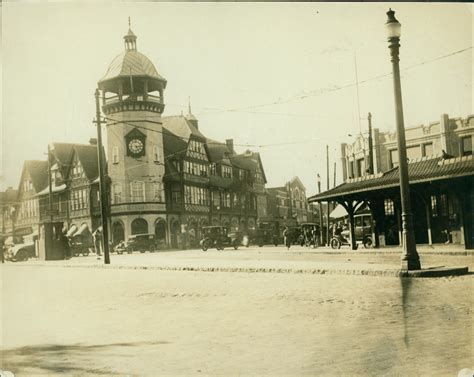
{"x":135,"y":146}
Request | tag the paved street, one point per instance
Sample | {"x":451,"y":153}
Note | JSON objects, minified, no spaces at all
{"x":119,"y":321}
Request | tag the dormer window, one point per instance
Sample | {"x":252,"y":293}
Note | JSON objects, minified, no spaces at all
{"x":226,"y":171}
{"x":77,"y":170}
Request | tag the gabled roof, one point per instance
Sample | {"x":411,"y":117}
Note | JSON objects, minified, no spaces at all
{"x":419,"y":171}
{"x":180,"y":126}
{"x":38,"y":171}
{"x":297,"y":180}
{"x":173,"y":144}
{"x":217,"y":151}
{"x":86,"y":154}
{"x":250,"y":161}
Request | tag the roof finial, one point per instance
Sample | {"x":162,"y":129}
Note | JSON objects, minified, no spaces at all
{"x":129,"y":23}
{"x":189,"y":105}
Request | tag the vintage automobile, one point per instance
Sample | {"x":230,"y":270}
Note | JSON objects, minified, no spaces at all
{"x":262,"y":236}
{"x":137,"y":242}
{"x":363,"y":233}
{"x":217,"y":236}
{"x":80,"y":245}
{"x":21,"y":252}
{"x":307,"y":236}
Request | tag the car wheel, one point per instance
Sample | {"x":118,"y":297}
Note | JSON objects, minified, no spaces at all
{"x":335,"y":243}
{"x":85,"y":252}
{"x":22,"y":255}
{"x":368,"y":242}
{"x":119,"y":251}
{"x":205,"y":246}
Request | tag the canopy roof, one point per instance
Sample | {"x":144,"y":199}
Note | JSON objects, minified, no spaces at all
{"x":419,"y":171}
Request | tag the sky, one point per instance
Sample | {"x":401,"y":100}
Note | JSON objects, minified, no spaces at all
{"x":278,"y":78}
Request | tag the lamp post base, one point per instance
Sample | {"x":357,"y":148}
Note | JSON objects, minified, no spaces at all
{"x":411,"y":264}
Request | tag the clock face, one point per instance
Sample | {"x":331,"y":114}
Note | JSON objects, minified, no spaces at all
{"x":135,"y":146}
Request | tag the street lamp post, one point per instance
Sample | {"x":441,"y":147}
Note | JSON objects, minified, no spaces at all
{"x":410,"y":258}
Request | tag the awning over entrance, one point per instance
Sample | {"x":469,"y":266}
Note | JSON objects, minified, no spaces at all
{"x":84,"y":228}
{"x":419,"y":171}
{"x":71,"y":231}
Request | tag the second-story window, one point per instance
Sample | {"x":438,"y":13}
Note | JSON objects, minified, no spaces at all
{"x":226,"y":171}
{"x":137,"y":191}
{"x":158,"y":192}
{"x":466,"y":146}
{"x":116,"y":193}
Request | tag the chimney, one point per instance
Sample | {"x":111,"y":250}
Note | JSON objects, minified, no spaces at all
{"x":230,"y":145}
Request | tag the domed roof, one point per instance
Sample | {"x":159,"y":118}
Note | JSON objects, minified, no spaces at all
{"x":131,"y":63}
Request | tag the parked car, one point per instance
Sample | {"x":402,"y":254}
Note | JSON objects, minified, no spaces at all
{"x":21,"y":252}
{"x":137,"y":242}
{"x":363,"y":233}
{"x":217,"y":236}
{"x":81,"y":245}
{"x":309,"y":234}
{"x":262,"y":237}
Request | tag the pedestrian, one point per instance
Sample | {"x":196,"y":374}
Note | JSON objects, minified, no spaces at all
{"x":286,"y":237}
{"x":314,"y":237}
{"x":97,"y":235}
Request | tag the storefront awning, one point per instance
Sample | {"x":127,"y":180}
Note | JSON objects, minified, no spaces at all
{"x":84,"y":228}
{"x":71,"y":231}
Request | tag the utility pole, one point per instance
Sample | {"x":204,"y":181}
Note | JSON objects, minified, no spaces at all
{"x":50,"y":184}
{"x":327,"y":184}
{"x":320,"y":211}
{"x":371,"y":150}
{"x":102,"y":183}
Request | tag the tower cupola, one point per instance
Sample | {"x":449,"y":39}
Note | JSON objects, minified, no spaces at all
{"x":132,"y":81}
{"x":130,"y":38}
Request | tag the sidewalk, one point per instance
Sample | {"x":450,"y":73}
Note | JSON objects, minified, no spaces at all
{"x":276,"y":260}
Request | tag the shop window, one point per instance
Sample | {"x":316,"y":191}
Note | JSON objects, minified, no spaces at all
{"x":389,"y":207}
{"x":434,"y":206}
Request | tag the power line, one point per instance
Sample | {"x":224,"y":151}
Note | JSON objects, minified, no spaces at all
{"x":335,"y":88}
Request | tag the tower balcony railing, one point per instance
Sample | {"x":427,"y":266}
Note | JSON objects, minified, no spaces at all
{"x":133,"y":98}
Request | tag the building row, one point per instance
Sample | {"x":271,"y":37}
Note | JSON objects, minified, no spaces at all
{"x":441,"y":179}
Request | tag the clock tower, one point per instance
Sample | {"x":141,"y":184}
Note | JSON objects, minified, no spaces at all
{"x":132,"y":102}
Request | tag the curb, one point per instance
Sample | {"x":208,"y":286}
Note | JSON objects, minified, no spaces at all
{"x":428,"y":273}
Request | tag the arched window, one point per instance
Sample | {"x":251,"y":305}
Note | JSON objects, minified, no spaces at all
{"x":118,"y":233}
{"x":160,"y":230}
{"x":139,"y":226}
